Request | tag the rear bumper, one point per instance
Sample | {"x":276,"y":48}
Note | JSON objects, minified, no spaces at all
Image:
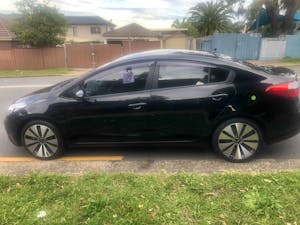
{"x":282,"y":128}
{"x":281,"y":137}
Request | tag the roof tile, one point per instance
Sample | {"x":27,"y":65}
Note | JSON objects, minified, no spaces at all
{"x":87,"y":20}
{"x":5,"y":32}
{"x":130,"y":30}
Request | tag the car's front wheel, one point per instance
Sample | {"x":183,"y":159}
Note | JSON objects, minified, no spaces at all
{"x":237,"y":140}
{"x":42,"y":140}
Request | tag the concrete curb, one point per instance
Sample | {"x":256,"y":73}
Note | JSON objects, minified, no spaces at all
{"x":148,"y":166}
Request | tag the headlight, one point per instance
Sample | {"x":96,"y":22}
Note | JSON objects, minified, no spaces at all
{"x":16,"y":106}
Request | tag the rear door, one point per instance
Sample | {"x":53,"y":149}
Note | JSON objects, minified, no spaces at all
{"x":187,"y":97}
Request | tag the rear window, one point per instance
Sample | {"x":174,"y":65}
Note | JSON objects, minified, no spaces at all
{"x":175,"y":75}
{"x":247,"y":77}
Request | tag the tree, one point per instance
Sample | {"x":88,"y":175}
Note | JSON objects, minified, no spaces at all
{"x":237,"y":7}
{"x":184,"y":23}
{"x":237,"y":27}
{"x":253,"y":11}
{"x":211,"y":17}
{"x":180,"y":24}
{"x":273,"y":8}
{"x":39,"y":25}
{"x":291,"y":7}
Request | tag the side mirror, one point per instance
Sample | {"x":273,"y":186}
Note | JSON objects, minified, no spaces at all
{"x":79,"y":94}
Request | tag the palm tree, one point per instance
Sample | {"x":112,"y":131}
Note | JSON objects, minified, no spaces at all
{"x":211,"y":17}
{"x":185,"y":23}
{"x":181,"y":24}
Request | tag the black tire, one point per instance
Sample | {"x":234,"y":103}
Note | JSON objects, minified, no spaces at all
{"x":42,"y":140}
{"x":237,"y":140}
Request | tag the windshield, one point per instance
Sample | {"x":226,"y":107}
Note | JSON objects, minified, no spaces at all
{"x":61,"y":84}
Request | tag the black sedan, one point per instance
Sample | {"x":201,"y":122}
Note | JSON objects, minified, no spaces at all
{"x":159,"y":97}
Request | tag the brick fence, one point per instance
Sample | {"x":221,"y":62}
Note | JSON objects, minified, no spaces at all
{"x":70,"y":55}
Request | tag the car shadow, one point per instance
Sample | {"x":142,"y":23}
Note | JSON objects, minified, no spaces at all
{"x":148,"y":152}
{"x":285,"y":150}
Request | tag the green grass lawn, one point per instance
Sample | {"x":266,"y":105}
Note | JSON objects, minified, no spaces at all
{"x":290,"y":60}
{"x":268,"y":198}
{"x":44,"y":72}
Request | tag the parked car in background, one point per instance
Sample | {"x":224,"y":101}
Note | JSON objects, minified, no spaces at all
{"x":160,"y":96}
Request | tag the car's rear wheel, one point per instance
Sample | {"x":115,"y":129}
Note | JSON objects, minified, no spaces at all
{"x":42,"y":140}
{"x":237,"y":140}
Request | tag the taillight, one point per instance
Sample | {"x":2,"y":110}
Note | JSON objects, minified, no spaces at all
{"x":290,"y":89}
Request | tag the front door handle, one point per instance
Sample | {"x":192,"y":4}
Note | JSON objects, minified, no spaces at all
{"x":218,"y":97}
{"x":137,"y":106}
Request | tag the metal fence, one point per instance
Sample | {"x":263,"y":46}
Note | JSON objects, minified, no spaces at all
{"x":272,"y":48}
{"x":252,"y":46}
{"x":292,"y":46}
{"x":237,"y":46}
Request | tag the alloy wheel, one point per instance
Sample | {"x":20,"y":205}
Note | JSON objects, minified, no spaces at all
{"x":41,"y":141}
{"x":238,"y":141}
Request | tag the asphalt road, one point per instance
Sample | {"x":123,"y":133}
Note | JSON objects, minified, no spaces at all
{"x":281,"y":156}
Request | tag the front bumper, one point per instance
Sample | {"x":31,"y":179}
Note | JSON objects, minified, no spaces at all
{"x":13,"y":124}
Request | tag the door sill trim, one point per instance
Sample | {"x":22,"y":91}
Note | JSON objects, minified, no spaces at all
{"x":130,"y":142}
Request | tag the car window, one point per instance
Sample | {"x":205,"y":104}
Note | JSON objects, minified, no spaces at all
{"x":247,"y":77}
{"x":218,"y":75}
{"x":174,"y":75}
{"x":122,"y":79}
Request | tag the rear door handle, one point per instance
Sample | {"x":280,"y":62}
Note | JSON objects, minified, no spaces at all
{"x":218,"y":97}
{"x":137,"y":106}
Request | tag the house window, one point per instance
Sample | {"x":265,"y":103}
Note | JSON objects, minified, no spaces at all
{"x":75,"y":33}
{"x":95,"y":30}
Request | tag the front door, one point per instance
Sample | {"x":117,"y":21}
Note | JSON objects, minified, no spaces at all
{"x":115,"y":107}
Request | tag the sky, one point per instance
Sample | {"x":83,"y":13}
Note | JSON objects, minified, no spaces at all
{"x":148,"y":13}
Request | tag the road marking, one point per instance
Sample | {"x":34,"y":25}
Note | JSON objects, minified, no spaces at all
{"x":91,"y":158}
{"x":66,"y":158}
{"x":16,"y":159}
{"x":25,"y":86}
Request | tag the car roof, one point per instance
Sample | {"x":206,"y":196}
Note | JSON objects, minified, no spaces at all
{"x":179,"y":54}
{"x":166,"y":53}
{"x":170,"y":52}
{"x":175,"y":54}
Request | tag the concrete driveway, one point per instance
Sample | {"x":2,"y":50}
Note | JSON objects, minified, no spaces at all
{"x":194,"y":158}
